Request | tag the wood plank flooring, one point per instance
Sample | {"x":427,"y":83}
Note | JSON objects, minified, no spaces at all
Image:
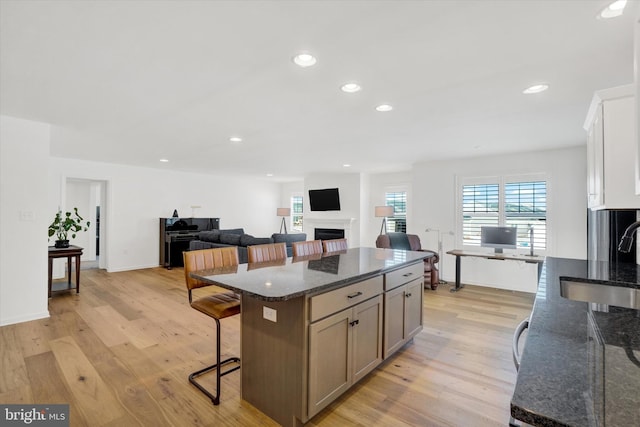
{"x":120,"y":352}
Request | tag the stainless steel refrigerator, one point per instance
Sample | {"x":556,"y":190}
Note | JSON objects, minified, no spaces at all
{"x":604,"y":230}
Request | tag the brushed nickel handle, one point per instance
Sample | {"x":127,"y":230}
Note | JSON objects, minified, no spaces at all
{"x":516,"y":338}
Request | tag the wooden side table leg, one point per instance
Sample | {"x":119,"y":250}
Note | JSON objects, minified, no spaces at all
{"x":50,"y":274}
{"x":69,"y":270}
{"x":77,"y":274}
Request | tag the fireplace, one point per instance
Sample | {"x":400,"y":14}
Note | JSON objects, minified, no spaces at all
{"x":347,"y":226}
{"x":328,"y":233}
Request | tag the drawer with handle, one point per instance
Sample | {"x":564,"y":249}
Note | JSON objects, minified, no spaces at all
{"x":323,"y":305}
{"x":403,"y":275}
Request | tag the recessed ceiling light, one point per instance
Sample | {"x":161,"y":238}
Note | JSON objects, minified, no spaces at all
{"x":384,"y":108}
{"x":614,"y":9}
{"x":351,"y":87}
{"x":235,"y":139}
{"x":269,"y":174}
{"x":541,"y":87}
{"x":304,"y":60}
{"x":164,"y":160}
{"x":346,"y":165}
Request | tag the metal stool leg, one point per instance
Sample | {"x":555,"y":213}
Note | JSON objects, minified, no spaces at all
{"x":218,"y":368}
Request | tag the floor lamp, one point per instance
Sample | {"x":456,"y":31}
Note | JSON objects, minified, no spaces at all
{"x":383,"y":212}
{"x":283,"y":212}
{"x":428,"y":230}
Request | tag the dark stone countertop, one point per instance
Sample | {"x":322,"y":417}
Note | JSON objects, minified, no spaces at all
{"x":554,"y":386}
{"x":292,"y":278}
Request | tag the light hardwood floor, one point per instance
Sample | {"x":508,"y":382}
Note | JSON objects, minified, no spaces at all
{"x":120,"y":352}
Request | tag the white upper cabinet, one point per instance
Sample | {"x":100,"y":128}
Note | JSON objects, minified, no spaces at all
{"x":612,"y":149}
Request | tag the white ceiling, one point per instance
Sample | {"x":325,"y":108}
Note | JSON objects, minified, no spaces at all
{"x":135,"y":81}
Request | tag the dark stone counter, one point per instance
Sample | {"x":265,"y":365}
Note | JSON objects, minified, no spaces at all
{"x":292,"y":278}
{"x":567,"y":377}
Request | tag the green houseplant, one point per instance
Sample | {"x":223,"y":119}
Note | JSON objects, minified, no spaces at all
{"x":62,"y":225}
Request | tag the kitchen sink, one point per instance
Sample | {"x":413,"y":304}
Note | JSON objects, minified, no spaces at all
{"x":598,"y":293}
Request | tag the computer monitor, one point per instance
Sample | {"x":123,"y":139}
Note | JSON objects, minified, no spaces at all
{"x":499,"y":238}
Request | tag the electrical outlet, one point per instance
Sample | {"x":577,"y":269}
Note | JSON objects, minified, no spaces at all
{"x":270,"y":314}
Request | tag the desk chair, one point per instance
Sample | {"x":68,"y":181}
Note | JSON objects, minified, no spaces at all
{"x":267,"y":252}
{"x":217,"y":306}
{"x":411,"y":242}
{"x":334,"y":245}
{"x":310,"y":247}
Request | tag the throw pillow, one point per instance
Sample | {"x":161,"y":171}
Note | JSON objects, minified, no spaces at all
{"x":212,"y":236}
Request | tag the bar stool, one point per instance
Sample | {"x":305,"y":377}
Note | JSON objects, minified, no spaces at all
{"x":266,"y":252}
{"x":217,"y":306}
{"x":309,"y":247}
{"x":334,"y":245}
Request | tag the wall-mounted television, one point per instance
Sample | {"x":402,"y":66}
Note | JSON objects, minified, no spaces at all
{"x":499,"y":238}
{"x":326,"y":199}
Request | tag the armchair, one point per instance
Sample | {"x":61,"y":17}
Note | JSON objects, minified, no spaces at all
{"x":411,"y":242}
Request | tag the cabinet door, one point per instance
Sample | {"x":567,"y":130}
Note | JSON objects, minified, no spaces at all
{"x":595,"y":161}
{"x":330,"y":342}
{"x":394,"y":328}
{"x":367,"y":337}
{"x":413,"y":308}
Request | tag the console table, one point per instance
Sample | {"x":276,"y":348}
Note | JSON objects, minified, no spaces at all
{"x":535,"y":259}
{"x":68,"y":253}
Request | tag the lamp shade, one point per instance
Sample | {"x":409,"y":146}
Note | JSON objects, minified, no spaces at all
{"x":384,"y":211}
{"x":283,"y":212}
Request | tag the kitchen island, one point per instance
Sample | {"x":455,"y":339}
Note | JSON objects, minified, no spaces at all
{"x":579,"y":365}
{"x":313,"y":327}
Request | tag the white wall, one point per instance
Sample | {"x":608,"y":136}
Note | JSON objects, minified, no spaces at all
{"x":137,"y":197}
{"x":434,"y":204}
{"x":24,"y":153}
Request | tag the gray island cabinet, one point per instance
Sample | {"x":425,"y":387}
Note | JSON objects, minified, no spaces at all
{"x":312,"y":329}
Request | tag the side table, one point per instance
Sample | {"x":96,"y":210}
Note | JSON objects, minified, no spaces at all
{"x":69,"y":253}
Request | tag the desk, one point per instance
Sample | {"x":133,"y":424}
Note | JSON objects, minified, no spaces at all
{"x":291,"y":311}
{"x":68,"y":253}
{"x":488,"y":255}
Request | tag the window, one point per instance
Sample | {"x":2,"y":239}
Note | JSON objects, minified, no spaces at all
{"x":296,"y":217}
{"x":480,"y":207}
{"x":525,"y":207}
{"x":505,"y":201}
{"x":398,"y":222}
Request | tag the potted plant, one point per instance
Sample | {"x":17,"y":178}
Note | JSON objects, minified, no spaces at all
{"x":62,"y":225}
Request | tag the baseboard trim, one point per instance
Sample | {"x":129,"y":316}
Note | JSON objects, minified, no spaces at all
{"x":24,"y":318}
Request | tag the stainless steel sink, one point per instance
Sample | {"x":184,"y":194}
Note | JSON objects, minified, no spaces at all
{"x":600,"y":294}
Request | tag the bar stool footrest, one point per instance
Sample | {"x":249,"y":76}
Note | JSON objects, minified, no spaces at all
{"x":214,"y":398}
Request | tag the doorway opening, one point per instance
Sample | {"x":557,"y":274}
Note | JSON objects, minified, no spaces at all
{"x":89,"y":196}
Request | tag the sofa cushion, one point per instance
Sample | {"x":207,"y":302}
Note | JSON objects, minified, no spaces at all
{"x":288,"y":238}
{"x":201,"y":244}
{"x":230,"y":238}
{"x":248,"y":240}
{"x":238,"y":231}
{"x":212,"y":236}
